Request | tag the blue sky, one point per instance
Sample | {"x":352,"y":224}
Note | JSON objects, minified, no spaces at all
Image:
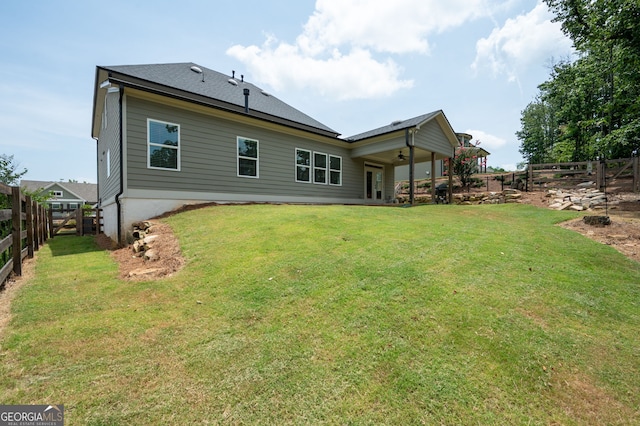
{"x":354,"y":65}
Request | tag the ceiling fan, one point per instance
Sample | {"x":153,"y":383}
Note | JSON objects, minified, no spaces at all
{"x":401,"y":156}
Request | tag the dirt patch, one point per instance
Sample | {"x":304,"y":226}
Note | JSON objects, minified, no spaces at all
{"x":134,"y":267}
{"x":623,"y":209}
{"x":623,"y":233}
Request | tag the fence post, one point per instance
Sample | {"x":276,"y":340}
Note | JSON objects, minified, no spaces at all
{"x":600,"y":177}
{"x":636,"y":174}
{"x":36,"y":225}
{"x":79,"y":223}
{"x":30,"y":240}
{"x":44,"y":232}
{"x":16,"y":222}
{"x":50,"y":221}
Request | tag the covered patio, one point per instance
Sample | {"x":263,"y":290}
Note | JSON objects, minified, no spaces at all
{"x":426,"y":138}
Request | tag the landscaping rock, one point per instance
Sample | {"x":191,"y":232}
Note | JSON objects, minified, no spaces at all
{"x":583,"y":198}
{"x":151,"y":255}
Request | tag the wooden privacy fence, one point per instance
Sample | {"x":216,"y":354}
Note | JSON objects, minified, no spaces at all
{"x":599,"y":171}
{"x":23,"y":229}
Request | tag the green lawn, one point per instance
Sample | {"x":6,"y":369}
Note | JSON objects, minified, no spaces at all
{"x":336,"y":315}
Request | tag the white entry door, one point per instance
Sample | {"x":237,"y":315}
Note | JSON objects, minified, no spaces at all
{"x":373,"y":183}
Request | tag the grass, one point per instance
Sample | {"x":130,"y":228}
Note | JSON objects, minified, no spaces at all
{"x":336,"y":315}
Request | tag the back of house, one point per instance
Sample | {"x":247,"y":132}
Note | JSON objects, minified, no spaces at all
{"x":174,"y":134}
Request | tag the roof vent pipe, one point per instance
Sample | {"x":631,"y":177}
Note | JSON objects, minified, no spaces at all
{"x":233,"y":74}
{"x":246,"y":100}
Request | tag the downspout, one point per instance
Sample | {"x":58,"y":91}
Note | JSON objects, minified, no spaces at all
{"x":450,"y":173}
{"x":121,"y":149}
{"x":411,"y":168}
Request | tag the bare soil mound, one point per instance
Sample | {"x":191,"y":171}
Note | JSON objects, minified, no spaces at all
{"x":133,"y":266}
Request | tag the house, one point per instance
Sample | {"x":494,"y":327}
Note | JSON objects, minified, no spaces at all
{"x":174,"y":134}
{"x":64,"y":195}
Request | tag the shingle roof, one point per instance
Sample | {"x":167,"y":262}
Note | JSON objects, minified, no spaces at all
{"x":86,"y":191}
{"x":216,"y":86}
{"x":394,"y":127}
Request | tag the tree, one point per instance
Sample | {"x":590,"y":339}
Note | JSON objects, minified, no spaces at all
{"x":594,"y":101}
{"x":538,"y":134}
{"x":588,"y":22}
{"x":9,"y":174}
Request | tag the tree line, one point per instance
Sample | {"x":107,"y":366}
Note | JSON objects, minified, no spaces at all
{"x":589,"y":108}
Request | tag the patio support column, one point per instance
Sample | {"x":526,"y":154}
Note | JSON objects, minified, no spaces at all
{"x":433,"y":177}
{"x":450,"y":188}
{"x":412,"y":194}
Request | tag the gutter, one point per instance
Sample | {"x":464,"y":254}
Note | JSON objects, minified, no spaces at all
{"x":121,"y":148}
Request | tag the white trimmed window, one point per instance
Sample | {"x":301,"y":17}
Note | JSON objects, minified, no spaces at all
{"x":73,"y":206}
{"x":248,"y":157}
{"x":320,"y":168}
{"x":335,"y":170}
{"x":108,"y":162}
{"x":57,"y":193}
{"x":163,"y":141}
{"x":303,"y":165}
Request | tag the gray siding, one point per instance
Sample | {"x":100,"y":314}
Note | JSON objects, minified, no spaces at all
{"x":66,"y":195}
{"x":109,"y":142}
{"x":209,"y":160}
{"x":431,"y":137}
{"x":420,"y":171}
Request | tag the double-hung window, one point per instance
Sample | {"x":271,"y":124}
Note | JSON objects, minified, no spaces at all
{"x":108,"y":162}
{"x":163,"y":140}
{"x":248,"y":157}
{"x":303,"y":165}
{"x":319,"y":168}
{"x":335,"y":170}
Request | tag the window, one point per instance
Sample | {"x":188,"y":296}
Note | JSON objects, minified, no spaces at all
{"x":319,"y":167}
{"x":56,"y":206}
{"x":327,"y":169}
{"x":247,"y":157}
{"x":303,"y":165}
{"x":335,"y":170}
{"x":164,"y":145}
{"x":73,"y":206}
{"x":108,"y":162}
{"x":57,"y":193}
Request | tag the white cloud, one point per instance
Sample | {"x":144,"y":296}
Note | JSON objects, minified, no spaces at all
{"x":399,"y":26}
{"x":527,"y":39}
{"x":487,"y":141}
{"x":335,"y":54}
{"x":353,"y":76}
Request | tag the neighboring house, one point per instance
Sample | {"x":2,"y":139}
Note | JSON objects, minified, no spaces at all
{"x":64,"y":195}
{"x":174,"y":134}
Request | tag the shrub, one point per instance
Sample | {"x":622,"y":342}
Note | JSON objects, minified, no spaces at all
{"x":465,"y":163}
